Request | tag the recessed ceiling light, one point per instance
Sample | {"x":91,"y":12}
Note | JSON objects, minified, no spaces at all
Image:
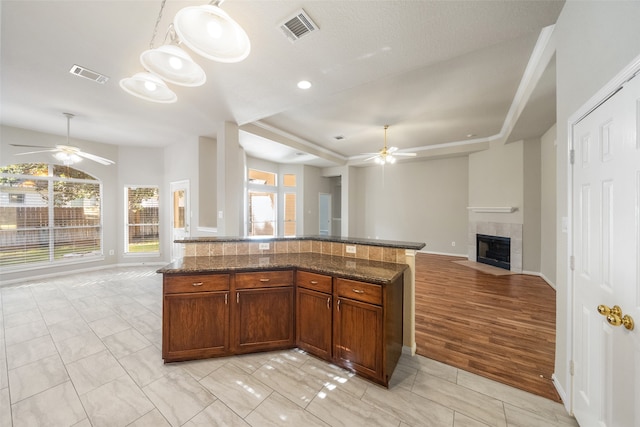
{"x":471,"y":135}
{"x":304,"y":84}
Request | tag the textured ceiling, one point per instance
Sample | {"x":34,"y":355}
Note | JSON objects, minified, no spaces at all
{"x":435,"y":71}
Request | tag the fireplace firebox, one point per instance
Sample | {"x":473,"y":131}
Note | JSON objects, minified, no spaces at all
{"x":493,"y":250}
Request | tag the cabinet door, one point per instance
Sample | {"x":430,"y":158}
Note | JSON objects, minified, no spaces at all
{"x":195,"y":325}
{"x":313,"y":331}
{"x":264,"y":319}
{"x":358,"y":338}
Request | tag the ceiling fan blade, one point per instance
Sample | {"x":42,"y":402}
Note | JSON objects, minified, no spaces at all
{"x":405,"y":154}
{"x":38,"y":151}
{"x":392,"y":150}
{"x":371,"y":158}
{"x":95,"y":158}
{"x":30,"y":146}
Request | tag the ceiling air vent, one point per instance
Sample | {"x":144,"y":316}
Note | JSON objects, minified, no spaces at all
{"x":298,"y":25}
{"x":88,"y":74}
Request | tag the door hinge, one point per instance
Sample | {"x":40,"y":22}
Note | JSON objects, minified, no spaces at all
{"x":572,"y":263}
{"x":572,"y":156}
{"x":571,"y":368}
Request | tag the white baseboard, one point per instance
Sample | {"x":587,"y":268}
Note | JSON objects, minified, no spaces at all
{"x":542,"y":276}
{"x":562,"y":393}
{"x":409,"y":351}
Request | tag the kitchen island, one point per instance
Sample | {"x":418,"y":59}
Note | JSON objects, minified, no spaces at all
{"x":237,"y":295}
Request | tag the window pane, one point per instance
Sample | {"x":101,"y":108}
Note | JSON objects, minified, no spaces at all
{"x":289,"y":180}
{"x":289,"y":214}
{"x":262,"y":214}
{"x":45,"y":218}
{"x":260,"y":177}
{"x":142,"y":220}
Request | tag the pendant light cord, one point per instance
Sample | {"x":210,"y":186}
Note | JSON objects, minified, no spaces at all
{"x":155,"y":29}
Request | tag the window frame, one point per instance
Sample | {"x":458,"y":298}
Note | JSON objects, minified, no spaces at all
{"x":126,"y":249}
{"x":55,"y":260}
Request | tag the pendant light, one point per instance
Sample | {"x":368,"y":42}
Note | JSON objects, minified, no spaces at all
{"x":173,"y":64}
{"x":149,"y":87}
{"x":212,"y":33}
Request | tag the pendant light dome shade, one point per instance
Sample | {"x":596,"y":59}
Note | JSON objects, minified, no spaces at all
{"x":173,"y":64}
{"x":149,"y":87}
{"x":211,"y":33}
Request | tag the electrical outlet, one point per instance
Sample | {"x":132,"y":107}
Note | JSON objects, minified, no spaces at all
{"x":263,"y":246}
{"x":351,"y":264}
{"x":350,"y":249}
{"x":453,"y":243}
{"x":112,"y":252}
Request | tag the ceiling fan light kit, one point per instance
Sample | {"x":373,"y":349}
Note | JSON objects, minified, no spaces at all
{"x":208,"y":31}
{"x":387,"y":155}
{"x":67,"y":154}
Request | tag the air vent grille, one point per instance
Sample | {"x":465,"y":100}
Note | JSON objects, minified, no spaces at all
{"x":88,"y":74}
{"x":298,"y":25}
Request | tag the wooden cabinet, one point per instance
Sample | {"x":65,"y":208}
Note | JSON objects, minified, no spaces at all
{"x":367,"y":328}
{"x":354,"y":324}
{"x":195,"y":319}
{"x":314,"y":313}
{"x":264,"y":315}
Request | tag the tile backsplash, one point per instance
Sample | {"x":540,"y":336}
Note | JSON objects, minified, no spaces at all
{"x":376,"y":253}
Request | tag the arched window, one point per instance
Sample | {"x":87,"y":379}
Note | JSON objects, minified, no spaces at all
{"x":49,"y":214}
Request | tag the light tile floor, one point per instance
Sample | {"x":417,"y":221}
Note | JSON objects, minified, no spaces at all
{"x":84,"y":350}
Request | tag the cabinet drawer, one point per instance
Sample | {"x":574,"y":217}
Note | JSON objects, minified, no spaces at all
{"x":359,"y":291}
{"x":264,"y":279}
{"x":317,"y":282}
{"x":196,"y":283}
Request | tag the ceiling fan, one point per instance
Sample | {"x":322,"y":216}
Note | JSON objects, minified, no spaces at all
{"x":387,"y":154}
{"x":67,"y":154}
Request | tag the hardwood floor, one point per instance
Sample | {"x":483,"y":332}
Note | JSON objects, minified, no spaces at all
{"x":499,"y":327}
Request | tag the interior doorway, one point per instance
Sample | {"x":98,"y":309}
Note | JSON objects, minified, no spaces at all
{"x":325,"y":214}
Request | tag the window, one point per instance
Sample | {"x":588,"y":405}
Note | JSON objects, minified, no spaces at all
{"x":262,"y":203}
{"x":289,"y":182}
{"x":48,"y":214}
{"x":141,"y":230}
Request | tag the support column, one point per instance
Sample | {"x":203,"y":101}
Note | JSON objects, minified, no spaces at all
{"x":230,"y":181}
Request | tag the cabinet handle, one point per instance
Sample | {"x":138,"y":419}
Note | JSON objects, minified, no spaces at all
{"x":226,"y":299}
{"x":237,"y":298}
{"x":328,"y":302}
{"x":264,"y":280}
{"x":197,"y":284}
{"x":314,"y":282}
{"x":338,"y":305}
{"x":358,"y":291}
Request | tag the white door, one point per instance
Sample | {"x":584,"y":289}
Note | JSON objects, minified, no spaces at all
{"x":606,"y":243}
{"x":325,"y":214}
{"x":180,"y":216}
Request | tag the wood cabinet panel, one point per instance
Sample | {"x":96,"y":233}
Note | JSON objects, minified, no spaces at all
{"x":314,"y":322}
{"x":195,"y":325}
{"x":264,"y":319}
{"x":263,"y":279}
{"x":196,"y":283}
{"x":358,"y":337}
{"x":359,"y":291}
{"x":315,"y":281}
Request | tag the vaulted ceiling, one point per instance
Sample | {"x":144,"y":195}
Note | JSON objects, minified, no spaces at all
{"x":442,"y":74}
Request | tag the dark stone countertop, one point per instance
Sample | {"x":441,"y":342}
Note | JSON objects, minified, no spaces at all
{"x":350,"y":268}
{"x":348,"y":240}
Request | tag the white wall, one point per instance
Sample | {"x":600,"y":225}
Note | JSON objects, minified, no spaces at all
{"x":548,"y":206}
{"x":595,"y":40}
{"x":207,"y":179}
{"x":417,"y":201}
{"x":531,"y":206}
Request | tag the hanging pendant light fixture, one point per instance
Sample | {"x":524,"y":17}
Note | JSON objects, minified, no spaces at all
{"x":149,"y":87}
{"x":212,"y":33}
{"x":171,"y":63}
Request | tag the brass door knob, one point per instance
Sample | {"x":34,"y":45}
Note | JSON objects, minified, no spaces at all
{"x":615,"y":318}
